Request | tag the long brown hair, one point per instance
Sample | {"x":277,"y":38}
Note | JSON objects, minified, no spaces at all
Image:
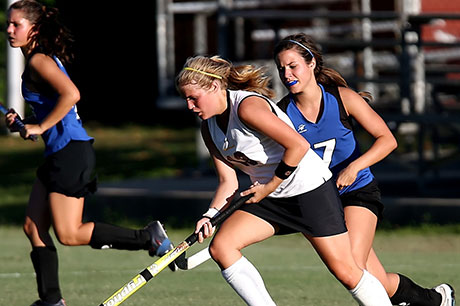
{"x":202,"y":70}
{"x":307,"y":48}
{"x":48,"y":34}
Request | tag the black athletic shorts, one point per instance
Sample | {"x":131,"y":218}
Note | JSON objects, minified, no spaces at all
{"x":367,"y":196}
{"x":317,"y":213}
{"x":70,"y":170}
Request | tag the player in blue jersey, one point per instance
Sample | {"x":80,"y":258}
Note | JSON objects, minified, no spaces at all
{"x":292,"y":188}
{"x":66,"y":176}
{"x":321,"y":107}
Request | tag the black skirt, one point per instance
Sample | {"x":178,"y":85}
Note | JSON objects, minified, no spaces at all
{"x":317,"y":213}
{"x":70,"y":170}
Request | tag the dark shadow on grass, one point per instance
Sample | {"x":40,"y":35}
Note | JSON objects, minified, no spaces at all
{"x":12,"y":214}
{"x":134,"y":163}
{"x":178,"y":213}
{"x":18,"y":167}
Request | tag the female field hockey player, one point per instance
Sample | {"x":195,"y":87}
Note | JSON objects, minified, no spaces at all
{"x":293,"y":190}
{"x":321,"y":107}
{"x":65,"y":178}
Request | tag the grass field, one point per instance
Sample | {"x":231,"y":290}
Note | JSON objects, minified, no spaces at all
{"x":292,"y":271}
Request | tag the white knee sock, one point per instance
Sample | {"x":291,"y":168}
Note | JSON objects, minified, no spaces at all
{"x":247,"y":282}
{"x":370,"y":292}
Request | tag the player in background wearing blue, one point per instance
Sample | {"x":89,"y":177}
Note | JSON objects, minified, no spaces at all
{"x":321,"y":107}
{"x":293,"y":190}
{"x":66,"y":176}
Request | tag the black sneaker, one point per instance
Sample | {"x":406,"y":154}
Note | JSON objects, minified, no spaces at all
{"x":41,"y":303}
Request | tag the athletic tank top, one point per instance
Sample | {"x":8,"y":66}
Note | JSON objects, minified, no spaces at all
{"x":331,"y":137}
{"x":258,"y":155}
{"x":42,"y":102}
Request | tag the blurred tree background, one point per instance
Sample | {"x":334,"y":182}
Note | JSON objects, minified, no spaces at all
{"x":115,"y":61}
{"x":3,"y":46}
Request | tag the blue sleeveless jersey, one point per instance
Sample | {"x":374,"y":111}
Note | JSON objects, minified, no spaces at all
{"x":332,"y":137}
{"x":69,"y":128}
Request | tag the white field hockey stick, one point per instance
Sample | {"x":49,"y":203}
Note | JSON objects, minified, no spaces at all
{"x":151,"y":271}
{"x":17,"y":124}
{"x":191,"y":262}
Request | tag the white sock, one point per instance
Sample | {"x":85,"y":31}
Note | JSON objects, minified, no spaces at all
{"x":247,"y":282}
{"x":370,"y":292}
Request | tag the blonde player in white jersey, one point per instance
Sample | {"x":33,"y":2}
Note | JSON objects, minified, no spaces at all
{"x":292,"y":189}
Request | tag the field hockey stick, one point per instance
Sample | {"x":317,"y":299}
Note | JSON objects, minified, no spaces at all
{"x":188,"y":263}
{"x":17,"y":124}
{"x":151,"y":271}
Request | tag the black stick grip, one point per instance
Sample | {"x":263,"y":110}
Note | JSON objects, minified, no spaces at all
{"x":222,"y":216}
{"x":230,"y":210}
{"x":17,"y":124}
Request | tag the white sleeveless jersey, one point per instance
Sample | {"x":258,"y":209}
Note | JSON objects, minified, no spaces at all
{"x":258,"y":155}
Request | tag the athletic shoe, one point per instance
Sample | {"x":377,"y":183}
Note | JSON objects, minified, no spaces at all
{"x":160,"y":241}
{"x":447,"y":293}
{"x":41,"y":303}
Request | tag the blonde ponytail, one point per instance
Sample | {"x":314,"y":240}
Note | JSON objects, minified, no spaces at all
{"x":202,"y":70}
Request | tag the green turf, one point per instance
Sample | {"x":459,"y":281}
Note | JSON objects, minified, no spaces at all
{"x":292,"y":271}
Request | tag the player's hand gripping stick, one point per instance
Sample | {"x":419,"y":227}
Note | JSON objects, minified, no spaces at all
{"x":17,"y":124}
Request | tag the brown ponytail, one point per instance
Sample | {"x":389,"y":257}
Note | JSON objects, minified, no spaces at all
{"x":49,"y":36}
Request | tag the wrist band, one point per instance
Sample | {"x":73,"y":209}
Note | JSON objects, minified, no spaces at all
{"x":211,"y":213}
{"x":283,"y":171}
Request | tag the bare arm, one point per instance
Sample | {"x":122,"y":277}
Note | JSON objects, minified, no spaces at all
{"x":256,"y":113}
{"x":384,"y":142}
{"x":227,"y":187}
{"x":44,"y":70}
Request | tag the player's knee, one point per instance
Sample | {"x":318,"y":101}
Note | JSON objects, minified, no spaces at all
{"x":360,"y":259}
{"x":29,"y":228}
{"x":347,"y":279}
{"x":214,"y":250}
{"x":349,"y":276}
{"x":217,"y":249}
{"x":66,"y":238}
